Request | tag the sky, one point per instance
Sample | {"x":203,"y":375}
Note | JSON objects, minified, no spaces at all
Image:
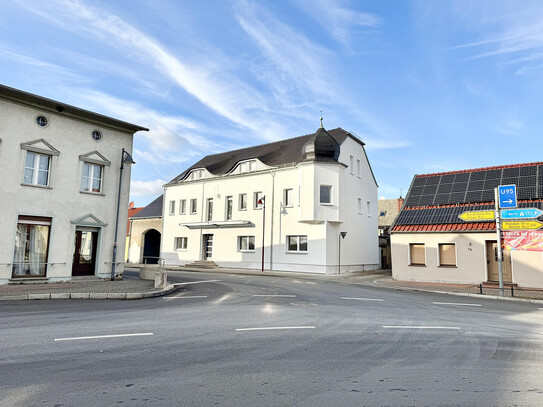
{"x":429,"y":86}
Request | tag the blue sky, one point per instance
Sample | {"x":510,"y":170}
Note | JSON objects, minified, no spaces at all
{"x":429,"y":86}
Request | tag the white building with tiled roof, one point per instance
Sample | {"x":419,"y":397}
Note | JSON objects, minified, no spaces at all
{"x":59,"y":180}
{"x":430,"y":243}
{"x":280,"y":206}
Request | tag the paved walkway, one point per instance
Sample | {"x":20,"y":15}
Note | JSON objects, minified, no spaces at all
{"x":131,"y":288}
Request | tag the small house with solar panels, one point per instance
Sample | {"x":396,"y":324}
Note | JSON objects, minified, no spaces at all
{"x":431,"y":243}
{"x":278,"y":206}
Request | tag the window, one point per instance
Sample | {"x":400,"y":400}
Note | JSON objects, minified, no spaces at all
{"x":351,"y":164}
{"x":182,"y":206}
{"x":246,"y":243}
{"x":447,"y":254}
{"x":196,"y":174}
{"x":193,"y":206}
{"x":326,"y":194}
{"x":37,"y":167}
{"x":42,"y":121}
{"x":383,"y":213}
{"x":368,"y":205}
{"x":91,"y":179}
{"x":247,"y":166}
{"x":288,"y":197}
{"x":209,"y":209}
{"x":257,"y":197}
{"x":96,"y":135}
{"x":417,"y":254}
{"x":297,"y":243}
{"x":360,"y":206}
{"x":181,"y":243}
{"x":172,"y":207}
{"x":31,"y":247}
{"x":358,"y":168}
{"x":229,"y":207}
{"x":242,"y":202}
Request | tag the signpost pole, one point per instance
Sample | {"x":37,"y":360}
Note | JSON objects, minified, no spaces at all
{"x":499,"y":239}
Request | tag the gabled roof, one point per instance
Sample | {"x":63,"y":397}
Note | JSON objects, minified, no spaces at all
{"x":435,"y":201}
{"x":289,"y":151}
{"x":65,"y":109}
{"x":153,"y":210}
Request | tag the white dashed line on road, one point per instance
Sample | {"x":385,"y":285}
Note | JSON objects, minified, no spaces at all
{"x":271,"y":328}
{"x":361,"y":299}
{"x":274,"y":295}
{"x":102,"y":337}
{"x":195,"y":282}
{"x":419,"y":327}
{"x":457,"y":303}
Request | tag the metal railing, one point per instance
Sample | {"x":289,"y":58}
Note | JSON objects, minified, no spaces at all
{"x":159,"y":260}
{"x":512,"y":290}
{"x":26,"y":262}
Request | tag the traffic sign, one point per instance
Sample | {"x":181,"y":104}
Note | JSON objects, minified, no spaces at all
{"x":507,"y":196}
{"x":521,"y":213}
{"x":476,"y":215}
{"x":521,"y":225}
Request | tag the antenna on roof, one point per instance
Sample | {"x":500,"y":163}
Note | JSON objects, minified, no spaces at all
{"x":401,"y":193}
{"x":322,"y":127}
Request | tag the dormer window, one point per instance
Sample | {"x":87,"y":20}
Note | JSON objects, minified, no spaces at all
{"x":247,"y":166}
{"x":196,"y":174}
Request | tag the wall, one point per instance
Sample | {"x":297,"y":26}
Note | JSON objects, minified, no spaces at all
{"x":62,"y":202}
{"x":137,"y":231}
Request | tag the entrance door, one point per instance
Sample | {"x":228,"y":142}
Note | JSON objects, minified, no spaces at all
{"x":84,"y":253}
{"x":208,"y":247}
{"x":492,"y":263}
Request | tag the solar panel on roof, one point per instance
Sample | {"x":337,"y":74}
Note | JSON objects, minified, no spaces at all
{"x":457,"y":197}
{"x":461,"y":177}
{"x":527,"y":182}
{"x":429,"y":189}
{"x":433,"y":180}
{"x":416,"y":191}
{"x":474,"y":196}
{"x":531,"y":170}
{"x":426,"y":200}
{"x":459,"y":187}
{"x":491,"y":184}
{"x":441,"y":199}
{"x":444,"y":188}
{"x":509,"y":181}
{"x":475,"y":185}
{"x":419,"y":181}
{"x":477,"y":175}
{"x":412,"y":200}
{"x":493,"y":174}
{"x":510,"y":172}
{"x":447,"y":178}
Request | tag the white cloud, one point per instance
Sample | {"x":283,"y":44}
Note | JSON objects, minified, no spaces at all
{"x":145,"y":188}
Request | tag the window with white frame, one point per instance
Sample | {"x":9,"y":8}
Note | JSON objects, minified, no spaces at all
{"x":229,"y":207}
{"x":447,"y":254}
{"x":182,"y":206}
{"x":92,"y":178}
{"x":257,"y":197}
{"x":351,"y":164}
{"x":297,"y":243}
{"x":209,"y":209}
{"x":247,"y":166}
{"x":37,"y":168}
{"x":246,"y":243}
{"x":181,"y":243}
{"x":325,"y":194}
{"x":358,"y":168}
{"x":172,"y":208}
{"x":242,"y":202}
{"x":31,"y":247}
{"x":417,"y":254}
{"x":288,"y":197}
{"x":193,"y":206}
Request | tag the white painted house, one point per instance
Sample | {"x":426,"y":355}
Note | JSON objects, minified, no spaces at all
{"x":291,"y":198}
{"x":59,"y":180}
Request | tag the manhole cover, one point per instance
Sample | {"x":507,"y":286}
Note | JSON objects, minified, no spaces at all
{"x":303,"y":304}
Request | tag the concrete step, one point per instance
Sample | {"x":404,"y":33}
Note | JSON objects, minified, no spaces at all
{"x":202,"y":264}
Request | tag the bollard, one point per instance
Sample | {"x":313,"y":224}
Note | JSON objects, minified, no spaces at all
{"x":480,"y":288}
{"x":512,"y":292}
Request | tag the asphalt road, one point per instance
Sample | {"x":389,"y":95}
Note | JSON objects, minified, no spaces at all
{"x":238,"y":340}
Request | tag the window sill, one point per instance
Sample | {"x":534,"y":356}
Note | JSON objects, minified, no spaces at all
{"x":242,"y":209}
{"x":326,"y":203}
{"x":36,"y":186}
{"x":295,"y":252}
{"x":417,"y":265}
{"x":92,"y":193}
{"x":447,"y":267}
{"x":180,"y":250}
{"x":246,"y":251}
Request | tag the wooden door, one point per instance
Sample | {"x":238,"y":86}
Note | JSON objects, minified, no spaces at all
{"x":84,"y":253}
{"x":492,"y":263}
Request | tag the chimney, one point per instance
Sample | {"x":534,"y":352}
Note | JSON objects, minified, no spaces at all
{"x":131,"y":205}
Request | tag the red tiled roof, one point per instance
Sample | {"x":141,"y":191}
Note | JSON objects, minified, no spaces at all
{"x":451,"y":227}
{"x":411,"y":208}
{"x":131,"y":212}
{"x":498,"y":167}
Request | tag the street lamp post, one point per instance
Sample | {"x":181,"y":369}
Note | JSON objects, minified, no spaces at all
{"x":126,"y":158}
{"x":262,"y":201}
{"x":341,"y":236}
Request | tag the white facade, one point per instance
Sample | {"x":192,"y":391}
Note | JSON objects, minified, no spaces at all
{"x":300,"y":235}
{"x":58,"y":189}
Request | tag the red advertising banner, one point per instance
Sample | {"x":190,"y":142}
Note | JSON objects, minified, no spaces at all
{"x":528,"y":240}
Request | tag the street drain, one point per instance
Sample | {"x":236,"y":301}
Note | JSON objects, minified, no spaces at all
{"x":303,"y":304}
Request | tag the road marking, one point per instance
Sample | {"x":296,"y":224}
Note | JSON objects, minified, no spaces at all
{"x":184,"y":296}
{"x":270,"y":328}
{"x":102,"y":336}
{"x":361,"y":299}
{"x":274,"y":295}
{"x":457,"y":303}
{"x":419,"y":327}
{"x":195,"y":282}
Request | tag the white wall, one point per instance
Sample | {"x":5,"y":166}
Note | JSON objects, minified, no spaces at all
{"x":63,"y":202}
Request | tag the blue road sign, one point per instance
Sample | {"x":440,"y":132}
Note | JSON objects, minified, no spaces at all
{"x":507,"y":195}
{"x":521,"y":213}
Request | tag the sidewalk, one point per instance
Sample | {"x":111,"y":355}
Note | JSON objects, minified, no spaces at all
{"x":128,"y":289}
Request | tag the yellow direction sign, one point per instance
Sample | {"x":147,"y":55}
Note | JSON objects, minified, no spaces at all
{"x":521,"y":225}
{"x":477,"y":215}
